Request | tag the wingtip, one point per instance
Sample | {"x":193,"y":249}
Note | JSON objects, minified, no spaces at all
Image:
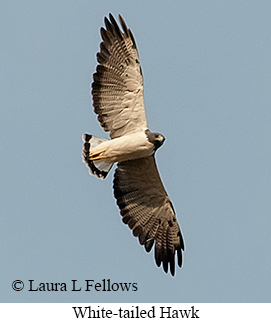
{"x":123,"y":25}
{"x":180,"y":257}
{"x":115,"y":26}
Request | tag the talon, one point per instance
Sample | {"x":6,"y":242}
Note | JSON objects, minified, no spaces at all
{"x":97,"y":155}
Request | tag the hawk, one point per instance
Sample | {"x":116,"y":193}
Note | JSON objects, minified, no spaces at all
{"x":117,"y":92}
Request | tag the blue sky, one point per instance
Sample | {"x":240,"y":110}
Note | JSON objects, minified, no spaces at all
{"x":207,"y":75}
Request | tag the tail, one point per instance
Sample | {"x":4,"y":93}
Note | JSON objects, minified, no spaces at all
{"x":101,"y":167}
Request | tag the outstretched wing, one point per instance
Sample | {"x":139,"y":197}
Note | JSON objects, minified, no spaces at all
{"x":117,"y":89}
{"x":148,"y":211}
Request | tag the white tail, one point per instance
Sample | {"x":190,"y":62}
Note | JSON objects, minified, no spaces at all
{"x":101,"y":167}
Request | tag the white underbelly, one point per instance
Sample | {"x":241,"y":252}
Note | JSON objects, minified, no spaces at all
{"x":128,"y":147}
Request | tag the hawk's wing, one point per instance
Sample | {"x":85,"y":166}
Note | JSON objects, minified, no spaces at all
{"x":117,"y":89}
{"x":148,"y":211}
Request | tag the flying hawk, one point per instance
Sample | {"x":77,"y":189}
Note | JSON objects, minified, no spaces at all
{"x":117,"y":91}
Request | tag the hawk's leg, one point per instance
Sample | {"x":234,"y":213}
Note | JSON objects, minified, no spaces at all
{"x":97,"y":155}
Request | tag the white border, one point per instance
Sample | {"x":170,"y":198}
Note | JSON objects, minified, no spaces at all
{"x":64,"y":312}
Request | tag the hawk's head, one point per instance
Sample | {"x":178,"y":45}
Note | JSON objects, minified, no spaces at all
{"x":155,"y":138}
